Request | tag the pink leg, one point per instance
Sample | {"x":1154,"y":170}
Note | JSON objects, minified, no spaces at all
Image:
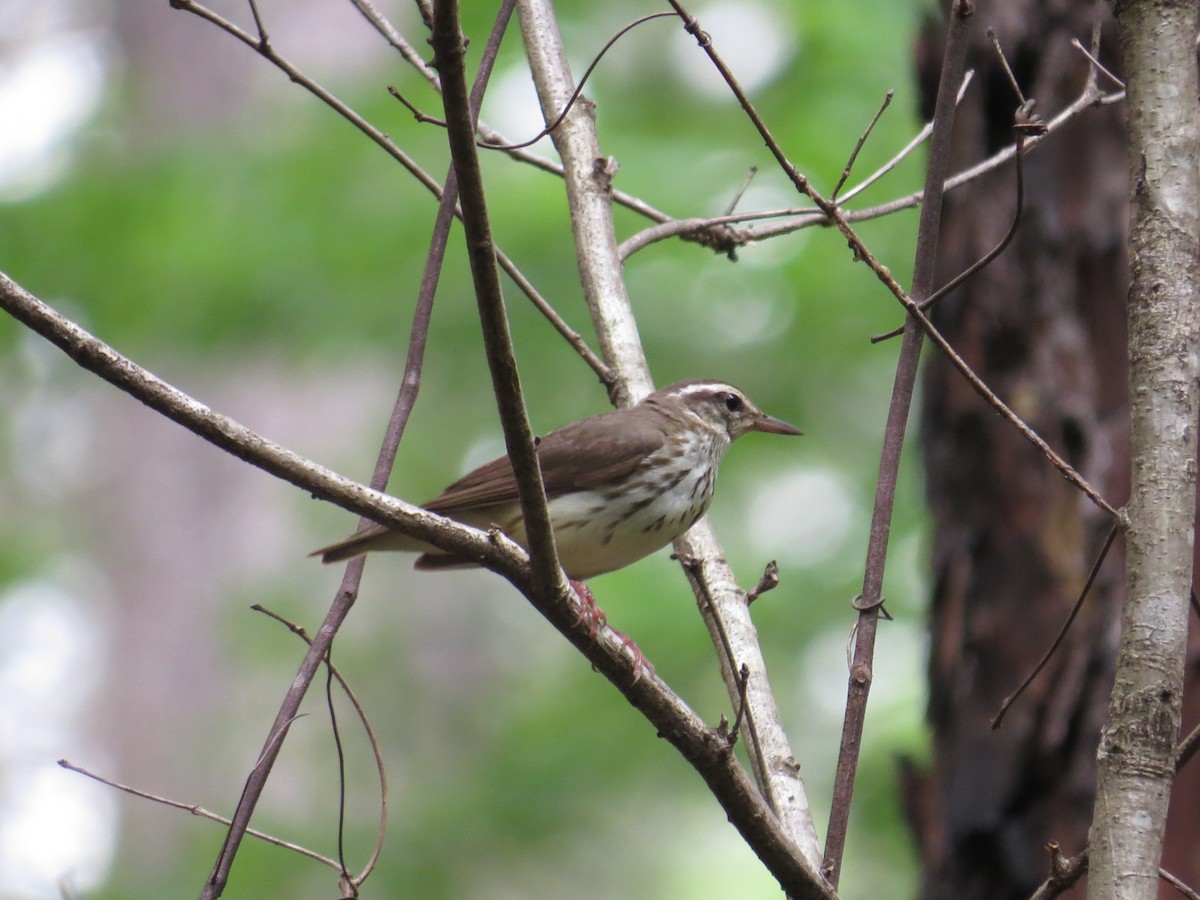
{"x":588,"y":611}
{"x":594,"y":616}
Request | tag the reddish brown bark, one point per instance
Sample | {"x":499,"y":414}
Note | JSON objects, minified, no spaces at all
{"x":1013,"y":543}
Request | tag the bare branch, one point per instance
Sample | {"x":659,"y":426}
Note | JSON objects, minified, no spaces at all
{"x":705,"y":748}
{"x":392,"y":149}
{"x":550,"y":126}
{"x":898,"y":410}
{"x":862,"y":140}
{"x":596,"y":250}
{"x":588,"y":195}
{"x":1062,"y":633}
{"x":372,"y":740}
{"x":1137,"y":745}
{"x":988,"y":257}
{"x":1179,"y":885}
{"x":347,"y":592}
{"x":202,"y":813}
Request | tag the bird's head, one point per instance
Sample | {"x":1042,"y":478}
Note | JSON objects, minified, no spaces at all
{"x":718,"y":406}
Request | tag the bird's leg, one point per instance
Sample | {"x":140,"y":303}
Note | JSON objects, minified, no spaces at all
{"x":640,"y":663}
{"x":588,"y":611}
{"x":594,"y":616}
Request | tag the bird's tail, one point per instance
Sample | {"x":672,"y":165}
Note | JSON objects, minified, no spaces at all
{"x":376,"y":538}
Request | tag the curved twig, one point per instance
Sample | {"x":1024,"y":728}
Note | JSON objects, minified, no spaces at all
{"x":392,"y":149}
{"x":998,"y":720}
{"x":578,"y":89}
{"x":984,"y":260}
{"x":372,"y":740}
{"x":201,"y":812}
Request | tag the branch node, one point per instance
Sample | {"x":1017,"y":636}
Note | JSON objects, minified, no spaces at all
{"x":768,"y":582}
{"x":1027,"y":122}
{"x":743,"y":682}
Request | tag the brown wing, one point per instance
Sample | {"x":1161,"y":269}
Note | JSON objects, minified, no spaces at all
{"x":588,"y":453}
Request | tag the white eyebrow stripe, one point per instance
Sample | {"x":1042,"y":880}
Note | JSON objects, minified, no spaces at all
{"x":704,"y":387}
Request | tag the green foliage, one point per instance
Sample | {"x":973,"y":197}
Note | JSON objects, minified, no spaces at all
{"x":299,"y":242}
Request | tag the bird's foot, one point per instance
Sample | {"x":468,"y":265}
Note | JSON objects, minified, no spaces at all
{"x":640,"y":663}
{"x":588,"y":613}
{"x":594,"y":617}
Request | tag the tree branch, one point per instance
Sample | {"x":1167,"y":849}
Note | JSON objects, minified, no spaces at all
{"x":1137,"y":745}
{"x":889,"y":464}
{"x":705,"y":748}
{"x":588,"y":184}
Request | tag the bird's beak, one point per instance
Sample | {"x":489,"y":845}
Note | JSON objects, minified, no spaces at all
{"x":772,"y":425}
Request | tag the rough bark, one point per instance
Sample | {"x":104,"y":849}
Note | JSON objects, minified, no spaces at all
{"x":1012,"y":542}
{"x":1137,"y":749}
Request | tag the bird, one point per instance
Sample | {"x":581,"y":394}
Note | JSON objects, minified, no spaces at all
{"x":619,"y":485}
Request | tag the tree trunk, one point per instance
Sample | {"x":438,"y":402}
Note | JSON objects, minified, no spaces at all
{"x":1013,"y":542}
{"x":1137,"y":748}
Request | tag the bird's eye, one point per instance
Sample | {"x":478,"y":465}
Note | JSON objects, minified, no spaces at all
{"x":733,"y":402}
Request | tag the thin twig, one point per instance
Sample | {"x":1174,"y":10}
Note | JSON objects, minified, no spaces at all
{"x":397,"y":41}
{"x":201,"y":812}
{"x":703,"y":590}
{"x":768,"y":582}
{"x":809,"y":217}
{"x":340,"y":752}
{"x":491,"y":136}
{"x":740,"y":192}
{"x":423,"y":117}
{"x":240,"y":823}
{"x":1178,"y":884}
{"x":862,"y":140}
{"x":921,"y":137}
{"x":1097,"y":65}
{"x":740,"y":714}
{"x":981,"y":388}
{"x":984,"y":260}
{"x":368,"y":730}
{"x":1062,"y":632}
{"x":390,"y":147}
{"x":1187,"y":748}
{"x":579,"y":88}
{"x":1012,"y":79}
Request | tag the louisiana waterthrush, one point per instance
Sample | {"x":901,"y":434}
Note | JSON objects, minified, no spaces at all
{"x":619,"y":485}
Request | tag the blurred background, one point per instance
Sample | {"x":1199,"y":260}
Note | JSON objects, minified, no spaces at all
{"x":173,"y":193}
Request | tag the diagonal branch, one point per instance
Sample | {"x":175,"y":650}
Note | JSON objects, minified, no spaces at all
{"x":889,"y":464}
{"x":588,"y":184}
{"x":199,"y":811}
{"x":384,"y":142}
{"x":705,"y":748}
{"x":347,"y":591}
{"x":449,"y":51}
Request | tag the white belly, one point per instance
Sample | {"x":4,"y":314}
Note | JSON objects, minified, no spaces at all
{"x":594,"y":537}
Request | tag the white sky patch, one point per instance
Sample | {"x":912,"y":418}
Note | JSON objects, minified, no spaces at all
{"x":754,"y":39}
{"x":57,"y":833}
{"x":804,"y":516}
{"x":47,"y":92}
{"x":511,"y":107}
{"x":57,"y":829}
{"x":747,"y":319}
{"x":899,"y":675}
